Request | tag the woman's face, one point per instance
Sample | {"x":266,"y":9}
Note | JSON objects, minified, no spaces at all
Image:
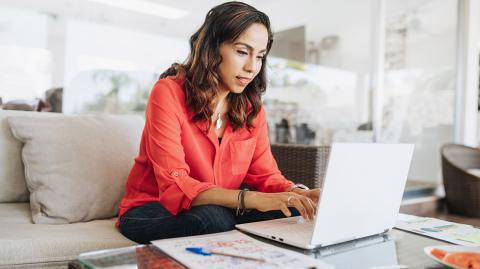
{"x":242,"y":58}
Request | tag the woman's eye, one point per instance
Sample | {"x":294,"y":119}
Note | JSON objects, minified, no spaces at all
{"x":242,"y":52}
{"x":260,"y":57}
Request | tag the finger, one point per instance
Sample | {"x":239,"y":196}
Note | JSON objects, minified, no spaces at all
{"x":315,"y":195}
{"x":285,"y":211}
{"x":308,"y":207}
{"x":314,"y":204}
{"x":297,"y":203}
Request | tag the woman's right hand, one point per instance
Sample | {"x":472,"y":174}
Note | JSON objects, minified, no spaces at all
{"x":263,"y":202}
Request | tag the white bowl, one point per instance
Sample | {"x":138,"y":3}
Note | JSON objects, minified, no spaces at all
{"x":449,"y":248}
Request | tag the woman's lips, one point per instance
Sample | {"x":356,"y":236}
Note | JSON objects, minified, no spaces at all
{"x":244,"y":81}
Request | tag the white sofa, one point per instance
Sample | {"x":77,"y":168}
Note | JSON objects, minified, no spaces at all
{"x":27,"y":239}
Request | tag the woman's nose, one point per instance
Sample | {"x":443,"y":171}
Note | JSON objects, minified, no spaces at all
{"x":251,"y":65}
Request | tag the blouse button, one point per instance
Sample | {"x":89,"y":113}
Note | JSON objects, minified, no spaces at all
{"x":175,"y":174}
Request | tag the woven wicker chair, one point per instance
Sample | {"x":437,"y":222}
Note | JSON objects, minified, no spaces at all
{"x":462,"y":188}
{"x":302,"y":164}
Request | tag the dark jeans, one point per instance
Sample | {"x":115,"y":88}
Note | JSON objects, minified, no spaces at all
{"x":152,"y":221}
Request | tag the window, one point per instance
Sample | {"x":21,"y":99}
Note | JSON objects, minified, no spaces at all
{"x":26,"y":62}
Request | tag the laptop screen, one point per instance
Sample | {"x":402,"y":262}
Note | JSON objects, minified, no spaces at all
{"x":362,"y":191}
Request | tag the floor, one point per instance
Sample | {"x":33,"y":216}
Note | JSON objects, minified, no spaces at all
{"x":420,"y":200}
{"x":455,"y":218}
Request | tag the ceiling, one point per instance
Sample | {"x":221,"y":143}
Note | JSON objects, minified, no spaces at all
{"x":322,"y":17}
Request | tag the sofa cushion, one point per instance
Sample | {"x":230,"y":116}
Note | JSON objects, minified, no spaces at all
{"x":12,"y":178}
{"x":15,"y":213}
{"x":25,"y":243}
{"x":76,"y":166}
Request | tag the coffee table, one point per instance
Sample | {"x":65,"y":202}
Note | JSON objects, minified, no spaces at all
{"x":396,"y":248}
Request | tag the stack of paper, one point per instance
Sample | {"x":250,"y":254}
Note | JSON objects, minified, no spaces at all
{"x":237,"y":243}
{"x":460,"y":234}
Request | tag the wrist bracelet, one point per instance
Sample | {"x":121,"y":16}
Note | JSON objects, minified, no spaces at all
{"x":241,"y":203}
{"x":299,"y":186}
{"x":238,"y":203}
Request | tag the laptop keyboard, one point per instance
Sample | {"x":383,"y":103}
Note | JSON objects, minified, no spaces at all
{"x":293,"y":228}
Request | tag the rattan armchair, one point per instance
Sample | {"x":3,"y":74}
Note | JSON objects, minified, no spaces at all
{"x":301,"y":163}
{"x":462,"y":188}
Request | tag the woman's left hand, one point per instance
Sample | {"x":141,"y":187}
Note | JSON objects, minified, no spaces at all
{"x":313,"y":194}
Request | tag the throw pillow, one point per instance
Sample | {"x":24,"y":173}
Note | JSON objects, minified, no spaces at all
{"x":76,"y":166}
{"x":12,"y":177}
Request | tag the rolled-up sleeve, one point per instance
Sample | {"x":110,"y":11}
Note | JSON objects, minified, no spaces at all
{"x":263,"y":173}
{"x":165,"y":151}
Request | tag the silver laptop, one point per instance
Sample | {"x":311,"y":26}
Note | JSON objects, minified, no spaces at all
{"x":361,"y":196}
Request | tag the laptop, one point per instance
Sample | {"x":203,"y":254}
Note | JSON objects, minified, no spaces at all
{"x":361,"y":195}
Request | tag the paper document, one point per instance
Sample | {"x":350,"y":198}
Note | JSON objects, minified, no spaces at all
{"x":457,"y":233}
{"x":234,"y":242}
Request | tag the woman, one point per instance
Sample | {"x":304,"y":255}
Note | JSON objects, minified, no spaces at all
{"x":206,"y":134}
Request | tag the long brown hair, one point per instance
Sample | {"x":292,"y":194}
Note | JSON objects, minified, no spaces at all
{"x":223,"y":23}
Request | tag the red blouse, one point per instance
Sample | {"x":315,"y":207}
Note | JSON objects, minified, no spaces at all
{"x":178,"y":159}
